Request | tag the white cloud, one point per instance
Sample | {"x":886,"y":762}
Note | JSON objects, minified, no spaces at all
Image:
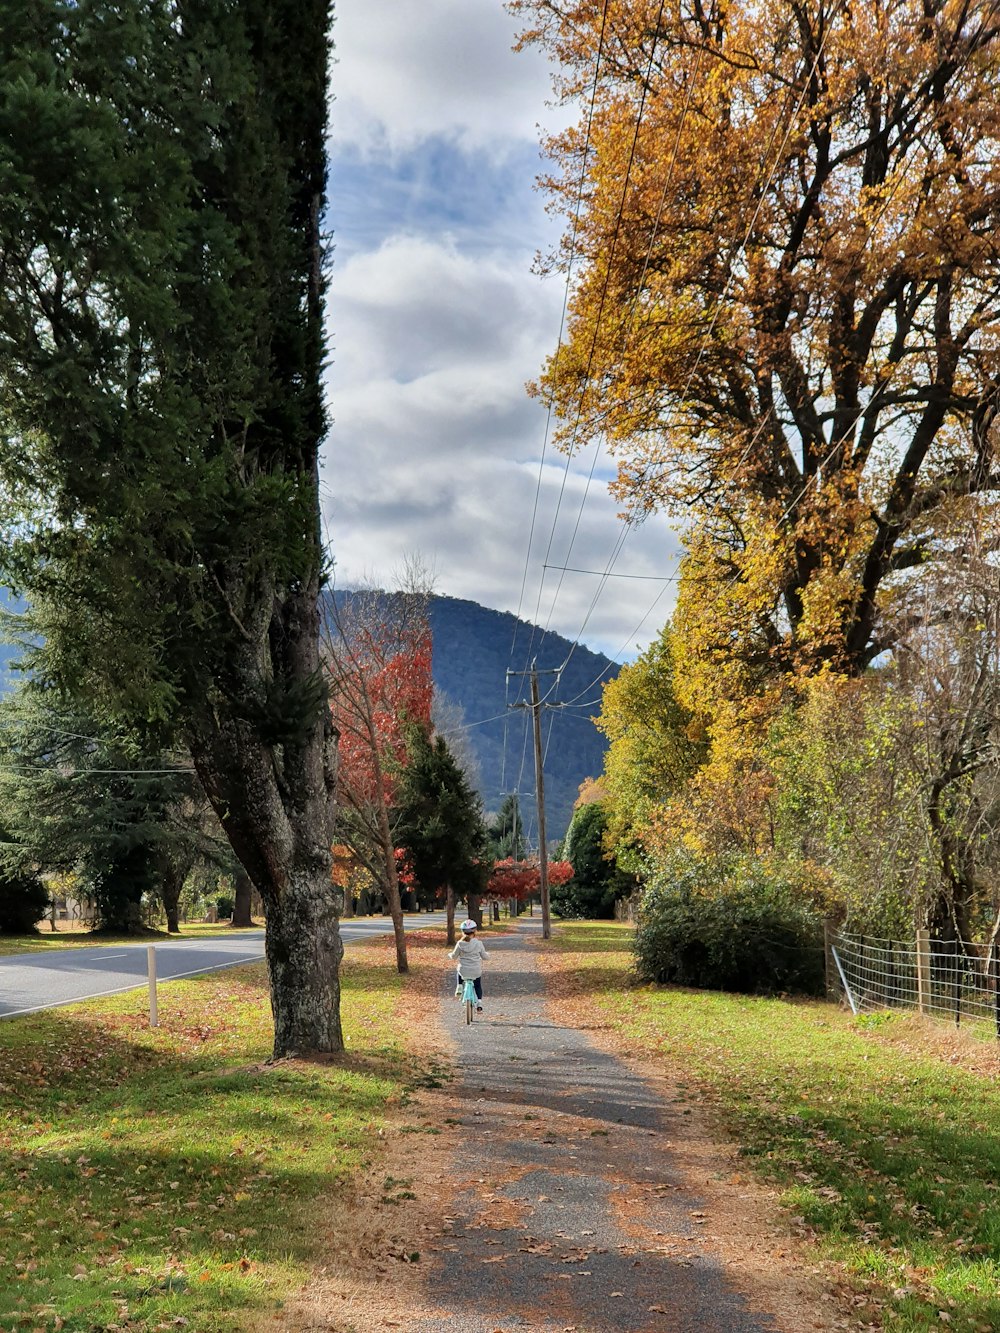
{"x":409,"y":71}
{"x":434,"y":440}
{"x":436,"y":322}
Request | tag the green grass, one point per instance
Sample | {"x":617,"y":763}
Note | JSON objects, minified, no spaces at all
{"x":150,"y":1177}
{"x":890,"y":1154}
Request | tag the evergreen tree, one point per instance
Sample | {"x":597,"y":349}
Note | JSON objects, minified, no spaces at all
{"x":440,"y":822}
{"x":161,"y":301}
{"x":80,"y":799}
{"x":23,"y":898}
{"x":506,"y":832}
{"x":596,"y":881}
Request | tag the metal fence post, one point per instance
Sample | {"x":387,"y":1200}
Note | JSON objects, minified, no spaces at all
{"x":829,"y":934}
{"x":923,"y":971}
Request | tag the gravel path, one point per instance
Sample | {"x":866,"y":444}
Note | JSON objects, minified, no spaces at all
{"x":569,"y":1212}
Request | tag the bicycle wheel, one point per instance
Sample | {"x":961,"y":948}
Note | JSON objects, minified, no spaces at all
{"x":470,"y":1009}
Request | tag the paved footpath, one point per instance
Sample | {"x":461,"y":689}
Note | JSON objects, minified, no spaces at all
{"x":569,"y":1213}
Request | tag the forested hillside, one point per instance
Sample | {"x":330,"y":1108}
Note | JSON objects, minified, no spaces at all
{"x":472,"y":649}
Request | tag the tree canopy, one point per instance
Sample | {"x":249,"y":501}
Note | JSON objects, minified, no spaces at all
{"x":440,"y":820}
{"x":86,"y":800}
{"x":162,"y":172}
{"x":785,"y":303}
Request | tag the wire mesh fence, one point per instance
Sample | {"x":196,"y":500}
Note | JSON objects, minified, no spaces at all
{"x":948,"y":979}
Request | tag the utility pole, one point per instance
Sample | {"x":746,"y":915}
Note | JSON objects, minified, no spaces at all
{"x":536,"y":706}
{"x":543,"y":854}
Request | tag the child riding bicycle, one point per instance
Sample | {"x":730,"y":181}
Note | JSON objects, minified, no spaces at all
{"x":470,"y":954}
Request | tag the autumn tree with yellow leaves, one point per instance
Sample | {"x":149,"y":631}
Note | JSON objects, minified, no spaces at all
{"x":785,"y":296}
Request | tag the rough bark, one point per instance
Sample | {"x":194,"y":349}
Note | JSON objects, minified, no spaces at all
{"x":275,"y":803}
{"x":304,"y":949}
{"x":243,"y":891}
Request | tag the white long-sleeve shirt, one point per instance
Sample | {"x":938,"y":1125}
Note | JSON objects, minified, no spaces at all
{"x":470,"y":955}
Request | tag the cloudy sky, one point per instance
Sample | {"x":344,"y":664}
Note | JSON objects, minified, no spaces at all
{"x":436,"y":323}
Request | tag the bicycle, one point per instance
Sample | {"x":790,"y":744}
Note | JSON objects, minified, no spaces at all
{"x":470,"y":999}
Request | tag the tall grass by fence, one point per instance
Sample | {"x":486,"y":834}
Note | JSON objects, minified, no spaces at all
{"x":952,"y":980}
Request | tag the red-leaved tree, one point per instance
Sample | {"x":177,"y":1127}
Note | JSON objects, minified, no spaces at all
{"x":378,"y":656}
{"x":519,"y":880}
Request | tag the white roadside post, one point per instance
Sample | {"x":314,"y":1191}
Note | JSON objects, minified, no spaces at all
{"x":151,"y":958}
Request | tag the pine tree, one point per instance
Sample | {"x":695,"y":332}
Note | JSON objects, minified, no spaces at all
{"x":506,"y":832}
{"x":161,"y":300}
{"x":440,"y":823}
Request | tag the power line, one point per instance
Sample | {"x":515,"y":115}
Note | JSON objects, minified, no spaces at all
{"x":58,"y":772}
{"x":565,"y":306}
{"x":619,"y":217}
{"x":653,"y":578}
{"x":629,"y":323}
{"x":715,"y":316}
{"x":548,"y":416}
{"x":467,"y":726}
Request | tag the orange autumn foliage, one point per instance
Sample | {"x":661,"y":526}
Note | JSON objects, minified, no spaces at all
{"x":785,"y":300}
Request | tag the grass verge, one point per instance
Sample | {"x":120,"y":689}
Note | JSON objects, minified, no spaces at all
{"x":883,"y":1133}
{"x":170,"y":1178}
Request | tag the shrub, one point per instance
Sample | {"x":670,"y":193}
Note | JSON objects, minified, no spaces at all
{"x":23,"y":900}
{"x":596,"y":882}
{"x":735,"y":926}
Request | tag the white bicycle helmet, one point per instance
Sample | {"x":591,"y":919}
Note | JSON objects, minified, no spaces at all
{"x":468,"y":926}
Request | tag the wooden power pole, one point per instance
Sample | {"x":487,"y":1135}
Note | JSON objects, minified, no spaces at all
{"x":543,"y":854}
{"x":536,"y":705}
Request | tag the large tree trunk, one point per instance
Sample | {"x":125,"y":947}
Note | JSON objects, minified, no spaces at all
{"x":170,"y":907}
{"x":172,"y":876}
{"x":286,"y":853}
{"x":243,"y":891}
{"x":304,"y":949}
{"x":275,"y":804}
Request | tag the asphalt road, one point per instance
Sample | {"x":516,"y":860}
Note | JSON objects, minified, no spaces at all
{"x":64,"y":976}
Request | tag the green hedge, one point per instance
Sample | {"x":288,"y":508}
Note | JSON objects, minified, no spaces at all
{"x":736,"y":926}
{"x":23,"y":900}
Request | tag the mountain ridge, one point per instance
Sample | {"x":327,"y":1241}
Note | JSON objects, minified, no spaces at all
{"x":472,"y":646}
